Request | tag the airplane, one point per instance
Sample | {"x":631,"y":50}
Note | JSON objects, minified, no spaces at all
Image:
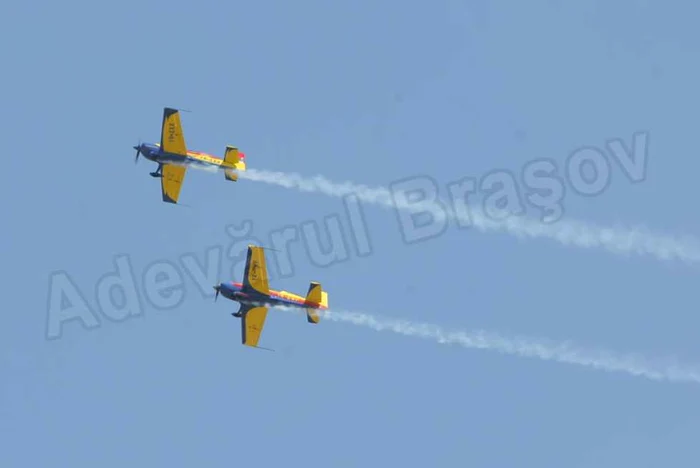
{"x":255,"y":296}
{"x":173,"y":157}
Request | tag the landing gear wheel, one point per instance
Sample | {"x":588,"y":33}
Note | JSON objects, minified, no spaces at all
{"x":158,"y":172}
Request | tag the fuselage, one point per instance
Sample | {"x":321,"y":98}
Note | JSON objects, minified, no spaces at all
{"x":234,"y":291}
{"x":153,"y":152}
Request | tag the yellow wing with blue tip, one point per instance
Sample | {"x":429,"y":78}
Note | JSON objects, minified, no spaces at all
{"x":171,"y":138}
{"x":252,"y":323}
{"x":171,"y":182}
{"x":255,"y":274}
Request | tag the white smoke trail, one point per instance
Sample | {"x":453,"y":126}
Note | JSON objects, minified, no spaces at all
{"x":617,"y":240}
{"x":639,"y":366}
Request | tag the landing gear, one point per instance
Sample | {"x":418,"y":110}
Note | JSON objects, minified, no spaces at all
{"x":158,"y":172}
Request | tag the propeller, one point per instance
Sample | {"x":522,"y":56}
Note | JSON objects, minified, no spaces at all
{"x":218,"y":289}
{"x":138,"y":152}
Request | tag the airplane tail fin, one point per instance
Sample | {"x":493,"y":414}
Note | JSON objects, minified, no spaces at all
{"x":316,"y":298}
{"x":234,"y":160}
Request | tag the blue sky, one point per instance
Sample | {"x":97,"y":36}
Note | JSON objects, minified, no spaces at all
{"x":369,"y":92}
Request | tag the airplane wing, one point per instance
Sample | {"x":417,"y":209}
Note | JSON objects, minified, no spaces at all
{"x":171,"y":182}
{"x":252,"y":323}
{"x":171,"y":138}
{"x":255,"y":274}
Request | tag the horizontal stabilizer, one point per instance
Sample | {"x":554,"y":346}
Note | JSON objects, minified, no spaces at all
{"x":234,"y":159}
{"x":312,"y":315}
{"x":230,"y":175}
{"x":316,"y":299}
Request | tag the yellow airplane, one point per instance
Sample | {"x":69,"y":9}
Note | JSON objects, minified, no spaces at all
{"x":173,"y":157}
{"x":255,"y":296}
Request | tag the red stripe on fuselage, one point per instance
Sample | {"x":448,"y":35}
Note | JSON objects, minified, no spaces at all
{"x":202,"y":153}
{"x":277,"y":295}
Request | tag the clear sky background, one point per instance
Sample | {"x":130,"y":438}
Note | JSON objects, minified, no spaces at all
{"x":370,"y":92}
